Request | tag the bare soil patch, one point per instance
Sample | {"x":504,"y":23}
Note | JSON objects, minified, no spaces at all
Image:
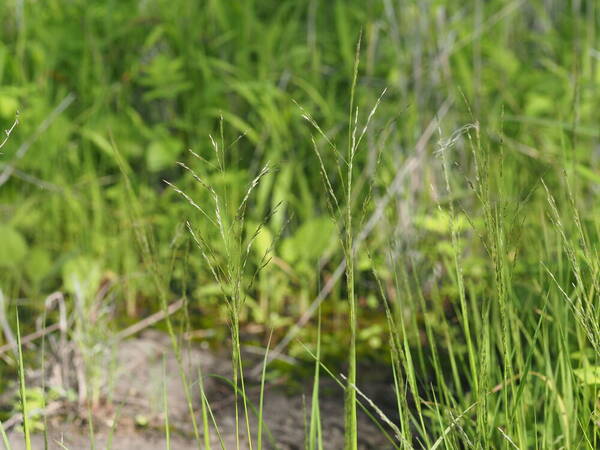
{"x":134,"y":409}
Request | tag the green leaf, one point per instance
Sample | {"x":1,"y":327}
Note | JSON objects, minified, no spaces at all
{"x":163,"y":153}
{"x":588,"y":375}
{"x":588,"y":173}
{"x":539,"y":105}
{"x":82,"y":276}
{"x":38,"y":264}
{"x":98,"y":140}
{"x":264,"y":239}
{"x":13,"y":247}
{"x":309,"y":242}
{"x":165,"y":78}
{"x":8,"y":107}
{"x":441,"y":222}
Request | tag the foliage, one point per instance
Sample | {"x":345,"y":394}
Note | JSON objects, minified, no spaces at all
{"x":477,"y":284}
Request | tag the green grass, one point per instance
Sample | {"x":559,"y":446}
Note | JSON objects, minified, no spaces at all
{"x":477,"y":286}
{"x":22,"y":389}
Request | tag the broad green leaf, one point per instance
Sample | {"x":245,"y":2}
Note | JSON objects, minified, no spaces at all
{"x":588,"y":375}
{"x":38,"y":264}
{"x":309,"y":242}
{"x":82,"y":276}
{"x":8,"y":107}
{"x":441,"y":222}
{"x":13,"y":247}
{"x":539,"y":105}
{"x":588,"y":173}
{"x":163,"y":153}
{"x":164,"y":77}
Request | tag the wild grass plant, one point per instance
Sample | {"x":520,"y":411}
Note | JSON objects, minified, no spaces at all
{"x":231,"y":270}
{"x":343,"y":212}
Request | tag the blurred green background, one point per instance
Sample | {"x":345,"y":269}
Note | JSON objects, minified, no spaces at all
{"x":153,"y":78}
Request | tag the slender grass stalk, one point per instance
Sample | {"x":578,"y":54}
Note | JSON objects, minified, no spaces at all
{"x":351,"y":425}
{"x":92,"y":434}
{"x":251,"y":407}
{"x":262,"y":394}
{"x":62,"y":445}
{"x":22,"y":388}
{"x":342,"y":383}
{"x":399,"y":352}
{"x":315,"y":438}
{"x":5,"y":440}
{"x":43,"y":364}
{"x":113,"y":427}
{"x":343,"y":213}
{"x":205,"y":412}
{"x":165,"y":399}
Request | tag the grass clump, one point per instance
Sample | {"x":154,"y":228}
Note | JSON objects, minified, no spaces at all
{"x":230,"y":268}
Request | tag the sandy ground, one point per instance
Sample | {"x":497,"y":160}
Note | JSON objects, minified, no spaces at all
{"x":138,"y":397}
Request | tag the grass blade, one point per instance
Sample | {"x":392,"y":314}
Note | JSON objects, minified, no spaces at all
{"x":22,"y":388}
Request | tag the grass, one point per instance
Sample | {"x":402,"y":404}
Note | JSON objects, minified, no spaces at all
{"x":22,"y":395}
{"x":475,"y":288}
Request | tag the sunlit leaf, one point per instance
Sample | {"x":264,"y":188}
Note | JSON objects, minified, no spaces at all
{"x":13,"y":246}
